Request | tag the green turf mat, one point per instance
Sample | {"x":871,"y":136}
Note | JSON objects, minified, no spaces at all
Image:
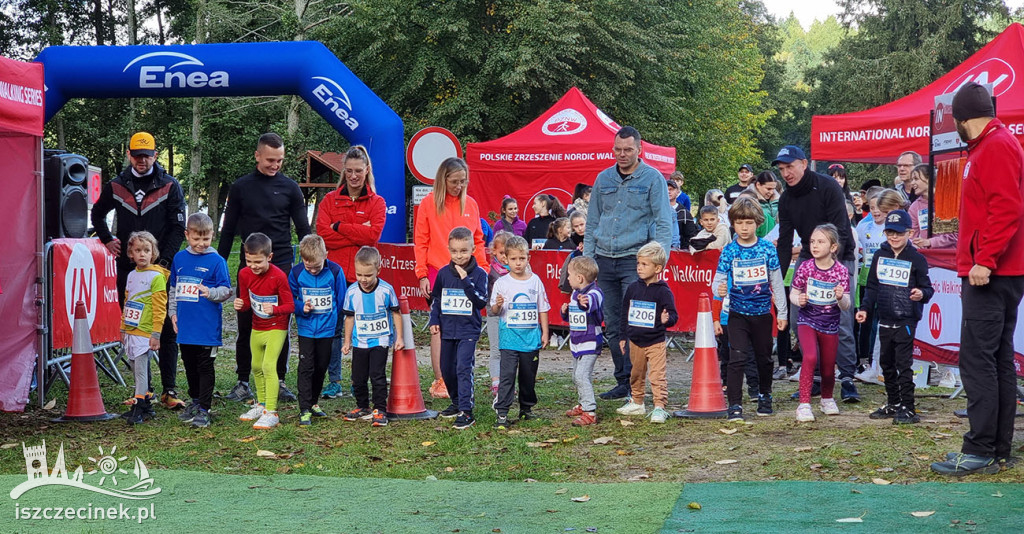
{"x":194,"y":502}
{"x":815,"y":507}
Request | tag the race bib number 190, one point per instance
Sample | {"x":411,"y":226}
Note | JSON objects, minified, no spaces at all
{"x":641,"y":313}
{"x":893,"y":272}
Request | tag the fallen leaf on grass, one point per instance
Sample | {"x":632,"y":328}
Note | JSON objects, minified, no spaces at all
{"x":603,"y":440}
{"x":884,"y":470}
{"x":50,"y":405}
{"x":726,"y":462}
{"x":922,"y":514}
{"x":858,"y":492}
{"x":428,"y":443}
{"x":561,"y":491}
{"x":880,"y":481}
{"x":553,"y":440}
{"x":298,"y":465}
{"x":265,"y":454}
{"x":626,"y":423}
{"x":551,"y":511}
{"x":530,"y":480}
{"x":8,"y":445}
{"x":850,"y":520}
{"x":803,"y":449}
{"x":923,"y":457}
{"x":727,"y":431}
{"x":997,"y":494}
{"x":248,"y":439}
{"x":538,"y":444}
{"x":637,"y":478}
{"x":449,"y":469}
{"x":569,"y":440}
{"x":815,"y":467}
{"x":622,"y":452}
{"x":190,"y":500}
{"x":584,"y":498}
{"x":693,"y":506}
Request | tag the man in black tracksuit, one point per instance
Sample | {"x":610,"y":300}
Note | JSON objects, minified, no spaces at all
{"x":266,"y":201}
{"x":145,"y":197}
{"x":897,"y":289}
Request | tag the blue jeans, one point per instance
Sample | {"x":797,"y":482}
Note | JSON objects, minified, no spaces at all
{"x":614,"y":276}
{"x":334,"y":367}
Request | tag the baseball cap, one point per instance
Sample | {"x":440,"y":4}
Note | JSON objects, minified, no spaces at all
{"x":746,"y":166}
{"x":671,"y":183}
{"x":898,"y":221}
{"x":789,"y":154}
{"x":142,"y":144}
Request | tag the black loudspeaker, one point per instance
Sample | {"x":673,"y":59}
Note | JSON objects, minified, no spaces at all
{"x":64,"y":178}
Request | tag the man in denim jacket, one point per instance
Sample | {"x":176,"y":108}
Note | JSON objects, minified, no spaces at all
{"x":629,"y":208}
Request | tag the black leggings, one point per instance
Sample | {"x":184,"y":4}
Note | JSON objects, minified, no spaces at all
{"x":199,"y":371}
{"x":749,"y":333}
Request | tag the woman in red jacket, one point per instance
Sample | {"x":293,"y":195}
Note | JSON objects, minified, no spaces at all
{"x":353,"y":214}
{"x":447,"y":207}
{"x":349,"y":217}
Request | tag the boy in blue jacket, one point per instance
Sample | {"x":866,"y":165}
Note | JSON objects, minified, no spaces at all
{"x":198,"y":284}
{"x":318,"y":288}
{"x":458,"y":296}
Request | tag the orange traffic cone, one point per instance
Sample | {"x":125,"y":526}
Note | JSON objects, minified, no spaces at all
{"x":84,"y":400}
{"x":405,"y":399}
{"x":706,"y":398}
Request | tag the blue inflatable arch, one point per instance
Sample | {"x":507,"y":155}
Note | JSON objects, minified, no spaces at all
{"x":304,"y":68}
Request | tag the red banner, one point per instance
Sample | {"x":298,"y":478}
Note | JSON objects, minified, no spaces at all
{"x":83,"y":270}
{"x":397,"y":267}
{"x":21,"y":97}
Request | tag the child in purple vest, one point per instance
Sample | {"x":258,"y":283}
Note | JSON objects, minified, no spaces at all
{"x":584,"y":314}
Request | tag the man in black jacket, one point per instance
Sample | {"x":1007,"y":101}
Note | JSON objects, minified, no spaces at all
{"x":145,"y":197}
{"x":812,"y":199}
{"x":266,"y":201}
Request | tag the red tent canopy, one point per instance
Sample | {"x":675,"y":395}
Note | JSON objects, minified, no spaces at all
{"x":21,"y":126}
{"x":568,"y":144}
{"x":880,"y":134}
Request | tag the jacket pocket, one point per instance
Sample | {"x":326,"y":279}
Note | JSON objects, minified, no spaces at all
{"x":637,"y":196}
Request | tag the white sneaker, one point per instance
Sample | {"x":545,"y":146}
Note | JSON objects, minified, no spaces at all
{"x":795,"y":377}
{"x":267,"y":421}
{"x":254,"y":413}
{"x":828,"y":407}
{"x":631,"y":408}
{"x":804,"y":414}
{"x":658,"y":415}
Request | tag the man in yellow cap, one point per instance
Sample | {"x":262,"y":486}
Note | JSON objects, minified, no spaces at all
{"x":145,"y":197}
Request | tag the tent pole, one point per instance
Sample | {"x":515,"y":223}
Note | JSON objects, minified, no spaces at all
{"x":43,"y":298}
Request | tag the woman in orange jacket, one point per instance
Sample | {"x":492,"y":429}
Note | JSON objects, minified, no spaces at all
{"x":441,"y":211}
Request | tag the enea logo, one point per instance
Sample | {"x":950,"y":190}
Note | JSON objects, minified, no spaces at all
{"x":336,"y":100}
{"x":165,"y":76}
{"x":565,"y":122}
{"x":993,"y":70}
{"x":934,"y":320}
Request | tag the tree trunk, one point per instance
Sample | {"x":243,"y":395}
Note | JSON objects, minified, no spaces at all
{"x":195,"y":164}
{"x":295,"y":102}
{"x":97,"y":21}
{"x":213,"y":200}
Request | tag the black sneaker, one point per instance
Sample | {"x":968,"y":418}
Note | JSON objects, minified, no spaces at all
{"x":502,"y":422}
{"x":528,"y":415}
{"x":815,"y":391}
{"x":887,"y":411}
{"x":764,"y":406}
{"x":753,"y":393}
{"x":906,"y":416}
{"x":965,"y":464}
{"x":450,"y":411}
{"x":1008,"y":462}
{"x":134,"y":416}
{"x":848,"y":392}
{"x":356,"y":414}
{"x":736,"y":412}
{"x":620,"y":391}
{"x":284,"y":394}
{"x":201,"y":419}
{"x":464,"y":420}
{"x":240,"y":392}
{"x":189,"y":413}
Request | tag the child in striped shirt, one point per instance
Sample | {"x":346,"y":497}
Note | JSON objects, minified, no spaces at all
{"x":584,"y":315}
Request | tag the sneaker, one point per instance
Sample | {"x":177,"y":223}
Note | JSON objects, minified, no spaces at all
{"x":379,"y":418}
{"x":735,"y":412}
{"x":358,"y":413}
{"x":528,"y":415}
{"x":804,"y":413}
{"x":284,"y":394}
{"x":965,"y":464}
{"x":828,"y":407}
{"x":463,"y":421}
{"x":631,"y":408}
{"x":306,"y":418}
{"x":780,"y":373}
{"x":240,"y":392}
{"x":450,"y":411}
{"x":815,"y":391}
{"x":848,"y":392}
{"x":134,"y":415}
{"x":254,"y":413}
{"x":906,"y":416}
{"x":764,"y":406}
{"x":201,"y":419}
{"x":130,"y":403}
{"x":868,"y":376}
{"x":620,"y":391}
{"x":753,"y":393}
{"x":502,"y":423}
{"x":317,"y":411}
{"x":576,"y":411}
{"x":1008,"y":462}
{"x":585,"y":418}
{"x":438,"y":390}
{"x":189,"y":412}
{"x":332,"y":391}
{"x":171,"y":401}
{"x":267,"y":421}
{"x":887,"y":411}
{"x":794,"y":377}
{"x":659,"y":415}
{"x":147,"y":407}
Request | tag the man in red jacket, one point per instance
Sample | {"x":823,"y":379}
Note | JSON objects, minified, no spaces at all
{"x":990,"y":261}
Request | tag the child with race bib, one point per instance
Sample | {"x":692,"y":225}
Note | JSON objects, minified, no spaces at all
{"x":318,"y":286}
{"x":263,"y":288}
{"x":145,"y":308}
{"x":651,"y":310}
{"x":373,"y":322}
{"x":458,"y":296}
{"x":200,"y":284}
{"x":499,"y":268}
{"x":820,"y":289}
{"x":748,"y":272}
{"x":898,"y":287}
{"x":870,"y":234}
{"x":584,"y":313}
{"x":521,"y":303}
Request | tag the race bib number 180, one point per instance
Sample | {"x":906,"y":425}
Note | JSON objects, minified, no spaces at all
{"x":893,"y":272}
{"x":641,"y":314}
{"x":370,"y":325}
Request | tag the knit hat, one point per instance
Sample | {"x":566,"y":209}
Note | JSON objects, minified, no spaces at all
{"x":972,"y":101}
